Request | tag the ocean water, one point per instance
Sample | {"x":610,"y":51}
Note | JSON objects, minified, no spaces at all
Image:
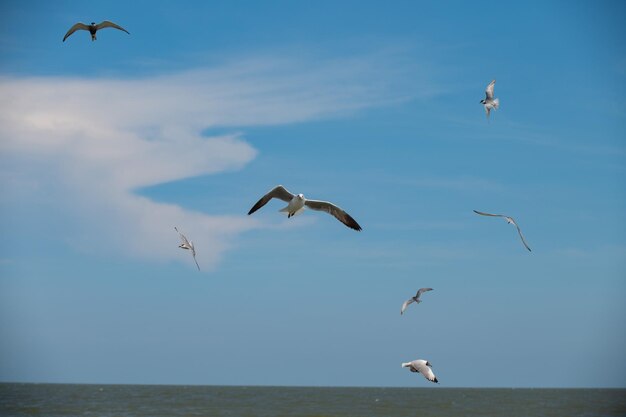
{"x":65,"y":400}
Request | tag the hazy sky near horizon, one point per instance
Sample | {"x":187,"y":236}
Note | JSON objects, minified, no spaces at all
{"x":105,"y":146}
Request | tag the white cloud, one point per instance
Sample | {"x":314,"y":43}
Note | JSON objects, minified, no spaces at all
{"x":91,"y":142}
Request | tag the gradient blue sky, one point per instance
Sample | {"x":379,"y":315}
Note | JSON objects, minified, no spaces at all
{"x":105,"y":146}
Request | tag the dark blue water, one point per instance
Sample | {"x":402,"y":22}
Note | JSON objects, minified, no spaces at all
{"x":61,"y":400}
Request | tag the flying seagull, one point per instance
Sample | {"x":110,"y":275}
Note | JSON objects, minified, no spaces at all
{"x":93,"y":28}
{"x":423,"y":367}
{"x":489,"y":102}
{"x":415,"y":299}
{"x":509,"y":220}
{"x":188,"y":245}
{"x":297,"y":203}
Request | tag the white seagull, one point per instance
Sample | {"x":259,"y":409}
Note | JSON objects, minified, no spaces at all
{"x":423,"y":367}
{"x":93,"y":28}
{"x":188,"y":245}
{"x":415,"y":299}
{"x":509,"y":220}
{"x":297,"y":203}
{"x":489,"y":102}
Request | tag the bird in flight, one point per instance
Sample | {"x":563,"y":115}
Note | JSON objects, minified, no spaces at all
{"x":297,"y":203}
{"x":489,"y":102}
{"x":509,"y":220}
{"x":93,"y":28}
{"x":415,"y":299}
{"x":423,"y":367}
{"x":188,"y":245}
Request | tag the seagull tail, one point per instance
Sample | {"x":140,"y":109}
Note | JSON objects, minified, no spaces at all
{"x":285,"y":210}
{"x":496,"y":103}
{"x":406,"y":364}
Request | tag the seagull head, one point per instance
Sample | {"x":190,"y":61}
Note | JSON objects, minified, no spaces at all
{"x":482,"y":101}
{"x":428,"y":364}
{"x":93,"y":23}
{"x":300,"y":196}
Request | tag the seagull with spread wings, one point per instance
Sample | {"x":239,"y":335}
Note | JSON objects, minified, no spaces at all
{"x":188,"y":245}
{"x":509,"y":220}
{"x":297,"y":203}
{"x":489,"y":102}
{"x":423,"y":367}
{"x":93,"y":28}
{"x":415,"y":299}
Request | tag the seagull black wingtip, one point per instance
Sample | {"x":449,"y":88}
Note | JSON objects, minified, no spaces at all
{"x":254,"y":208}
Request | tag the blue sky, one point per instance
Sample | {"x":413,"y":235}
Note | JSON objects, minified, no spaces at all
{"x":106,"y":146}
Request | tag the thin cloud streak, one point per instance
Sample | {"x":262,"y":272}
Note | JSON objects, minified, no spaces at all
{"x":459,"y":183}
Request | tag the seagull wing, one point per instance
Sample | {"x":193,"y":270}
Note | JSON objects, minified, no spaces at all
{"x":519,"y":231}
{"x":406,"y":304}
{"x":427,"y":372}
{"x":330,"y":208}
{"x":194,"y":258}
{"x":279,"y":192}
{"x":183,"y":238}
{"x":422,"y":290}
{"x":77,"y":26}
{"x":193,"y":253}
{"x":488,"y":214}
{"x":489,"y":90}
{"x":109,"y":24}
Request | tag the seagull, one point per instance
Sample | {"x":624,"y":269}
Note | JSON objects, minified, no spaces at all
{"x":187,"y":244}
{"x":415,"y":299}
{"x":423,"y":367}
{"x":93,"y":28}
{"x":509,"y":220}
{"x":489,"y":102}
{"x":298,"y":202}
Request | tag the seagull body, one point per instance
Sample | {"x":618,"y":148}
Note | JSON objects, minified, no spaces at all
{"x":188,"y":245}
{"x":423,"y":367}
{"x":509,"y":220}
{"x":297,"y":203}
{"x":489,"y":102}
{"x":415,"y":299}
{"x":93,"y":28}
{"x":295,"y":206}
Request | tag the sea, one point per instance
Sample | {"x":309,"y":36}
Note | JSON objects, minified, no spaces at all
{"x":67,"y":400}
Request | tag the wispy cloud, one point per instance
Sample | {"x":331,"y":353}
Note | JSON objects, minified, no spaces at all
{"x":91,"y":142}
{"x":459,"y":182}
{"x":602,"y":253}
{"x":543,"y":137}
{"x":421,"y":225}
